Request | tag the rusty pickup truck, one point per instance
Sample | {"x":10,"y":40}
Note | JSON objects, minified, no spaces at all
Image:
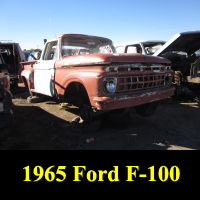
{"x":85,"y":71}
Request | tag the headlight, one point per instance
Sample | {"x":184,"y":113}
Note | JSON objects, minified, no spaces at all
{"x":111,"y":85}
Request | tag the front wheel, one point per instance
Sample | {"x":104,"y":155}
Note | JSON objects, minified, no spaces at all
{"x":77,"y":96}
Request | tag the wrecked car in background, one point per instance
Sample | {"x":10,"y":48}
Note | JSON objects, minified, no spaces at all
{"x":11,"y":56}
{"x":31,"y":55}
{"x":6,"y":106}
{"x":183,"y":50}
{"x":85,"y":71}
{"x":146,"y":48}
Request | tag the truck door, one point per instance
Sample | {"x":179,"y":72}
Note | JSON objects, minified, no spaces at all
{"x":44,"y":70}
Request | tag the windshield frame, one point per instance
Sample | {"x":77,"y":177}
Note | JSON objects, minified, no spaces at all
{"x":89,"y":44}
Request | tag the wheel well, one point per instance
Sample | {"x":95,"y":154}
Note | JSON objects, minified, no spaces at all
{"x":76,"y":94}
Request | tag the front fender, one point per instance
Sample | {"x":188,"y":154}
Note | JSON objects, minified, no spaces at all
{"x":64,"y":77}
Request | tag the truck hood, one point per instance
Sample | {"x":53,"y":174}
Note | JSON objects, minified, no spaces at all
{"x":98,"y":59}
{"x":188,"y":42}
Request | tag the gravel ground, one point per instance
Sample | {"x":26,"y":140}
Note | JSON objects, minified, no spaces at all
{"x":44,"y":125}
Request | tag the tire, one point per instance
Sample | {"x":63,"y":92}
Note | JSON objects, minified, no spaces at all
{"x":177,"y":81}
{"x":146,"y":110}
{"x":85,"y":116}
{"x":178,"y":78}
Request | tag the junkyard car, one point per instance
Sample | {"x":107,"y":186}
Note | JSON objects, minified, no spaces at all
{"x":32,"y":54}
{"x":6,"y":107}
{"x":146,"y":48}
{"x":183,"y":50}
{"x":11,"y":56}
{"x":86,"y":71}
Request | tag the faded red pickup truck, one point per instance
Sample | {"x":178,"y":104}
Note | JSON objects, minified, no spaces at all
{"x":86,"y":71}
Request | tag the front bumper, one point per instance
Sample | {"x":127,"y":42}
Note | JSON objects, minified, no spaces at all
{"x":131,"y":100}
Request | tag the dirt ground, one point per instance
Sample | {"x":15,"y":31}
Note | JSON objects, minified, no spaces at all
{"x":44,"y":125}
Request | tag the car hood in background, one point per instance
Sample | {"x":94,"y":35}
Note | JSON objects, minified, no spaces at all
{"x":188,"y":42}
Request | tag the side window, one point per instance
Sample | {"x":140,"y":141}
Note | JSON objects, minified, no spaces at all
{"x":51,"y":51}
{"x":133,"y":49}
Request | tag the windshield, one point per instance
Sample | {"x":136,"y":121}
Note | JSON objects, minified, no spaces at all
{"x":72,"y":46}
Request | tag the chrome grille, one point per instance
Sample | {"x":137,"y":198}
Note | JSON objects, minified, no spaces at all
{"x":138,"y":82}
{"x":136,"y":67}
